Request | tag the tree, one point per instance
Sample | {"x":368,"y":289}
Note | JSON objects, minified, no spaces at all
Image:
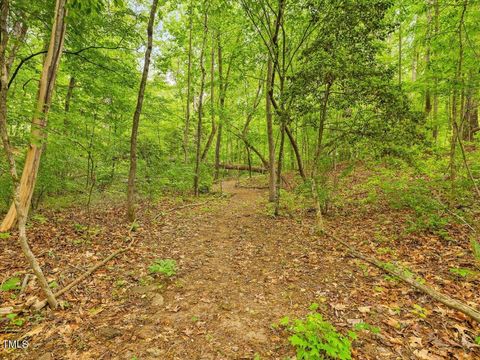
{"x":136,"y":115}
{"x":39,"y":121}
{"x":198,"y":140}
{"x":23,"y":188}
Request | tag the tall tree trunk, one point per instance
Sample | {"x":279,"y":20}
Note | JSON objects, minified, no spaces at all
{"x":222,"y":86}
{"x":314,"y":184}
{"x":458,"y":81}
{"x":212,"y":104}
{"x":68,"y":98}
{"x":428,"y":98}
{"x":271,"y":141}
{"x":196,"y":177}
{"x":222,"y":107}
{"x":321,"y":128}
{"x":136,"y":116}
{"x":186,"y":131}
{"x":400,"y":54}
{"x":470,"y":115}
{"x":435,"y":80}
{"x":39,"y":120}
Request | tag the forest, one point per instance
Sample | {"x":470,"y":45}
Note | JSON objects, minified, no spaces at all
{"x":240,"y":179}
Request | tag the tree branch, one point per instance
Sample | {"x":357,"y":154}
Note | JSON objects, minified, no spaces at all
{"x":77,"y":52}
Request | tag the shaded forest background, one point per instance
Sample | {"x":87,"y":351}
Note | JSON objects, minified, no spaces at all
{"x":383,"y":80}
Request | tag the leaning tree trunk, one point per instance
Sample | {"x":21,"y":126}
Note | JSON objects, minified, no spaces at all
{"x":39,"y":121}
{"x":296,"y":151}
{"x":21,"y":204}
{"x":136,"y":117}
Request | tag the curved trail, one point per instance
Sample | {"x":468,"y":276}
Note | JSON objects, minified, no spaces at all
{"x":240,"y":271}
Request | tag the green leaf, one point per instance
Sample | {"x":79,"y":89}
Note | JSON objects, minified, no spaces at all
{"x":167,"y":267}
{"x":11,"y":284}
{"x":284,"y":321}
{"x":462,"y":272}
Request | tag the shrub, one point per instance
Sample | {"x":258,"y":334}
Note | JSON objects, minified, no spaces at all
{"x":316,"y":338}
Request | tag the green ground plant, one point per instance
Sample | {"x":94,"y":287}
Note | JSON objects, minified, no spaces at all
{"x":11,"y":284}
{"x":315,"y":338}
{"x":167,"y":267}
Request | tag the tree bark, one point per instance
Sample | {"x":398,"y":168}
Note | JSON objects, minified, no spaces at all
{"x":428,"y":97}
{"x":279,"y":167}
{"x":321,"y":128}
{"x":136,"y":116}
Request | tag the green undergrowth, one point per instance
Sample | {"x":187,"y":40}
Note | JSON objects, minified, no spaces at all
{"x":419,"y":191}
{"x":166,"y":267}
{"x":315,"y":338}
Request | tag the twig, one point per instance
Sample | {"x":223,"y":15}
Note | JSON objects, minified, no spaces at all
{"x":455,"y":214}
{"x":24,"y":283}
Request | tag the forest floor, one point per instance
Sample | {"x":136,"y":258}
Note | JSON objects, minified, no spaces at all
{"x":239,"y":271}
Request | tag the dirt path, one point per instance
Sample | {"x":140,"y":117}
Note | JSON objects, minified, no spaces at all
{"x":234,"y":282}
{"x":240,"y":271}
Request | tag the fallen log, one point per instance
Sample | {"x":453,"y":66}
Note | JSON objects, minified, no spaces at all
{"x":255,"y":169}
{"x":242,"y":168}
{"x":410,"y":279}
